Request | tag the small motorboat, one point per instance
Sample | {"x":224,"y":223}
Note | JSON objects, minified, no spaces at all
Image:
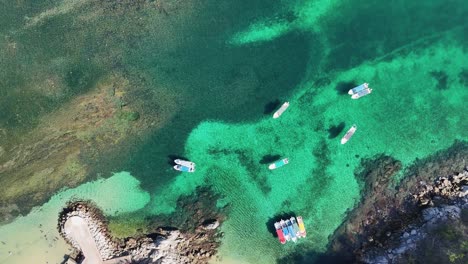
{"x":361,"y":93}
{"x":359,"y":88}
{"x":281,"y":110}
{"x":348,"y":134}
{"x":285,"y":229}
{"x":278,"y":164}
{"x":291,"y":230}
{"x":184,"y":168}
{"x":184,"y":163}
{"x":279,"y":232}
{"x":302,"y":231}
{"x":295,"y":226}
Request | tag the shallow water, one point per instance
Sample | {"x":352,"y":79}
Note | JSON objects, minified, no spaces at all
{"x":227,"y":65}
{"x":35,"y":236}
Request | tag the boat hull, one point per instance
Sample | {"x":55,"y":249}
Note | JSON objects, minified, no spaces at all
{"x":184,"y":163}
{"x":281,"y":110}
{"x":279,"y":232}
{"x":285,"y":230}
{"x":290,"y":229}
{"x":348,"y":134}
{"x":361,"y":93}
{"x":302,"y":230}
{"x":279,"y":163}
{"x":183,"y":168}
{"x":359,"y":88}
{"x":294,"y":226}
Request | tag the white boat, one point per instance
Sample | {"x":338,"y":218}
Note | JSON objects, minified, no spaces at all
{"x":281,"y":110}
{"x":184,"y":163}
{"x":361,"y":93}
{"x":348,"y":134}
{"x":300,"y":223}
{"x":278,"y":164}
{"x":184,"y":168}
{"x":359,"y":88}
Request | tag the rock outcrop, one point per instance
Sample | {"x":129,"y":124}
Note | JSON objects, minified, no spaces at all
{"x":394,"y":218}
{"x":444,"y":188}
{"x":166,"y":246}
{"x":446,"y":198}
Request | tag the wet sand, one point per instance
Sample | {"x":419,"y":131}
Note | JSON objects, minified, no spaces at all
{"x":33,"y":246}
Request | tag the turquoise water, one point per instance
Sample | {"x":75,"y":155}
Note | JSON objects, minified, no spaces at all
{"x":221,"y":67}
{"x":32,"y":238}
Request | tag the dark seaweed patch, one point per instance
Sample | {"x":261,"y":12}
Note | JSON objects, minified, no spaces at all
{"x":81,"y":77}
{"x":322,"y":82}
{"x":463,"y":77}
{"x":441,"y":78}
{"x":320,"y":180}
{"x":245,"y":159}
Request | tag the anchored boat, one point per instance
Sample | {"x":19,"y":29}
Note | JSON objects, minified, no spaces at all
{"x":302,"y":231}
{"x":278,"y":164}
{"x":184,"y":168}
{"x":359,"y":88}
{"x":184,"y":163}
{"x":290,"y":229}
{"x":295,"y":226}
{"x":361,"y":93}
{"x":281,"y":110}
{"x":284,"y":227}
{"x":279,"y":232}
{"x":348,"y":134}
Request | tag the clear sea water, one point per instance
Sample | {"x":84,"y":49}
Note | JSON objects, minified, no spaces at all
{"x":223,"y":65}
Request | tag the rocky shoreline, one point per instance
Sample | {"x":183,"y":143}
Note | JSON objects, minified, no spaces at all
{"x":196,"y":242}
{"x":168,"y":245}
{"x":394,"y":221}
{"x":443,"y":202}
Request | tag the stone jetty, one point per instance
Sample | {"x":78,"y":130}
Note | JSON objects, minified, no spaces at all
{"x":84,"y":227}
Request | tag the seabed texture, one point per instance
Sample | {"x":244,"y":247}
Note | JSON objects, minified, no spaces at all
{"x":212,"y":74}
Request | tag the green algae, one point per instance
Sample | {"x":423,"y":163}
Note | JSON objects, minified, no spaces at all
{"x":129,"y":225}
